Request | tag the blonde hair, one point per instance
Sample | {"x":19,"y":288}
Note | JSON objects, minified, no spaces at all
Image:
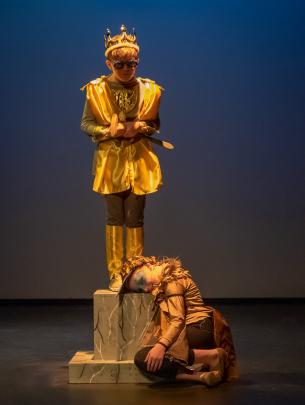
{"x":136,"y":262}
{"x":173,"y":270}
{"x":123,"y":52}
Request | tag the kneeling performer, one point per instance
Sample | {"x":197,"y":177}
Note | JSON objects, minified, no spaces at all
{"x":183,"y":331}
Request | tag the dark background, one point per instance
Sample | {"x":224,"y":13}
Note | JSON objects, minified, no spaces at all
{"x":232,"y":206}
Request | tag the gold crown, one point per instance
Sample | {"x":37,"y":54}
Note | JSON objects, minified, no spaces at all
{"x":119,"y":41}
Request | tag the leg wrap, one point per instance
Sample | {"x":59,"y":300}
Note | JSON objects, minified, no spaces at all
{"x":134,"y":241}
{"x":114,"y":249}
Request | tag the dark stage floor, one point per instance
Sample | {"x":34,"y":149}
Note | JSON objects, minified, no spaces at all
{"x":37,"y":341}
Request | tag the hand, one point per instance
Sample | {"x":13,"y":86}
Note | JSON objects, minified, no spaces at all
{"x":132,"y":128}
{"x":120,"y":130}
{"x":154,"y":358}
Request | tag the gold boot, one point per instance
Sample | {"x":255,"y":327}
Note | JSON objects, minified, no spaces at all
{"x":114,"y":255}
{"x":134,"y":241}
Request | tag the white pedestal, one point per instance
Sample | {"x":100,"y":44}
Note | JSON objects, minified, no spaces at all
{"x":119,"y":323}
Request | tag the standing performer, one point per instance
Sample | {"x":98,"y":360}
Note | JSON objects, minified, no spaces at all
{"x":120,"y":113}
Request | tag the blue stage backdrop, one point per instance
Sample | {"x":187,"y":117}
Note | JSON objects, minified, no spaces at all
{"x":232,"y":205}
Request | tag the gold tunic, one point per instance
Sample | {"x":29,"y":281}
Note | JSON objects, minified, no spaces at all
{"x":121,"y":164}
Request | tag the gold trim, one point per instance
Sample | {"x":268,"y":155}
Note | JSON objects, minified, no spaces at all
{"x":114,"y":249}
{"x":134,"y":242}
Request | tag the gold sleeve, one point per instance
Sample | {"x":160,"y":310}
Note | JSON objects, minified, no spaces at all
{"x":89,"y":126}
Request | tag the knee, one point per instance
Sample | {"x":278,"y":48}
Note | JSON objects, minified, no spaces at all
{"x":134,"y":219}
{"x":134,"y":223}
{"x":114,"y":221}
{"x":114,"y":209}
{"x":140,"y":357}
{"x":134,"y":211}
{"x":114,"y":216}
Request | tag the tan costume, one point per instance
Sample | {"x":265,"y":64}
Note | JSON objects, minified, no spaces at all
{"x":179,"y":303}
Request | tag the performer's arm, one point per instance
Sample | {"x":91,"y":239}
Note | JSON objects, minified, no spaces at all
{"x":138,"y":128}
{"x":176,"y":313}
{"x":150,"y":127}
{"x":89,"y":126}
{"x":175,"y":304}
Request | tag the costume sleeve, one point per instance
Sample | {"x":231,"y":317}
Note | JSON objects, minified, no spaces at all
{"x":151,"y":127}
{"x":89,"y":126}
{"x":176,"y":314}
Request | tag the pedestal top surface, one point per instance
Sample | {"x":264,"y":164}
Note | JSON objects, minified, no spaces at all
{"x":105,"y":292}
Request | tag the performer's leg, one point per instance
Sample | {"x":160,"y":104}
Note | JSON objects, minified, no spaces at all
{"x":172,"y":370}
{"x":114,"y":238}
{"x":203,"y":350}
{"x":201,"y":335}
{"x":216,"y":360}
{"x":134,"y":219}
{"x":168,"y":370}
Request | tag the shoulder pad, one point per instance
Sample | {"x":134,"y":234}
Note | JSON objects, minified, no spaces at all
{"x":94,"y":82}
{"x":147,"y":81}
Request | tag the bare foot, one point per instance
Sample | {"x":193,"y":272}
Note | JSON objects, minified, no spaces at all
{"x":218,"y":362}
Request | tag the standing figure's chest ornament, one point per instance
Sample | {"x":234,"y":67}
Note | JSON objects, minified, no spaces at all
{"x":125,"y":100}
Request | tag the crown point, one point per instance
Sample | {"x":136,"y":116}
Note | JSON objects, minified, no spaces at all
{"x":123,"y":28}
{"x":107,"y":36}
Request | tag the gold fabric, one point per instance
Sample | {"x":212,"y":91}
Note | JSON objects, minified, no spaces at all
{"x":120,"y":164}
{"x":125,"y":99}
{"x":134,"y":241}
{"x":90,"y":126}
{"x":114,"y":249}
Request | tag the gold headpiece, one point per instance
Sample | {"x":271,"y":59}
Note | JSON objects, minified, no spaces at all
{"x":119,"y":41}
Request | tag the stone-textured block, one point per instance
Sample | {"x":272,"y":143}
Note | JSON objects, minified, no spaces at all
{"x":119,"y":323}
{"x":84,"y":369}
